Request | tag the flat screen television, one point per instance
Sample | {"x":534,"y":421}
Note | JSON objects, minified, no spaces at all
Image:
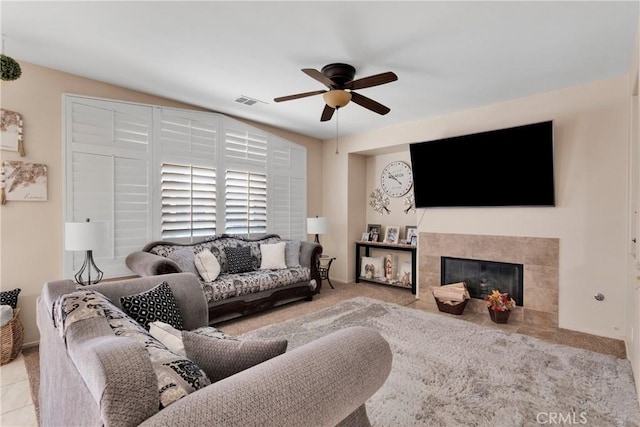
{"x":505,"y":167}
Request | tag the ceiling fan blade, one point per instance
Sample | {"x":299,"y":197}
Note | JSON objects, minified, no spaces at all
{"x":327,"y":113}
{"x":313,"y":73}
{"x":298,"y":95}
{"x":369,"y":103}
{"x":375,"y":80}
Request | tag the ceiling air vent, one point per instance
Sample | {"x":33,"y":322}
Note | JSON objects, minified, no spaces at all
{"x":246,"y":100}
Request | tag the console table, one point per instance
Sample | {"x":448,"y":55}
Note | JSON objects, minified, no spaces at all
{"x":387,"y":246}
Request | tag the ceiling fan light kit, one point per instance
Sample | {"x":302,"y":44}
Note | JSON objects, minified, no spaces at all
{"x":336,"y":98}
{"x":338,"y":78}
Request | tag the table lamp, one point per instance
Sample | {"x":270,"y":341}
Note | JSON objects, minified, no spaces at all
{"x":317,"y":226}
{"x":85,"y":236}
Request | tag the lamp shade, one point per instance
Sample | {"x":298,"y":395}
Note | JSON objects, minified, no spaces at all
{"x":337,"y":98}
{"x":317,"y":225}
{"x":84,"y":236}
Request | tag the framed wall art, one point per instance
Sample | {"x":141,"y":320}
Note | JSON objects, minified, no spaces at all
{"x":11,"y":131}
{"x":24,"y":181}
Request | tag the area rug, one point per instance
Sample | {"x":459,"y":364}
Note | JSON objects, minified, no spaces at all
{"x":449,"y":372}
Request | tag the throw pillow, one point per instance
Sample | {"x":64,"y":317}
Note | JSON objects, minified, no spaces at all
{"x":371,"y":267}
{"x":155,"y":304}
{"x":238,"y":259}
{"x":10,"y":297}
{"x":272,"y":256}
{"x":220,"y":359}
{"x":185,"y":258}
{"x":207,"y":265}
{"x":292,"y":254}
{"x":168,"y":335}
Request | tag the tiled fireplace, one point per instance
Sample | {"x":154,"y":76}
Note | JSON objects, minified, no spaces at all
{"x":538,"y":256}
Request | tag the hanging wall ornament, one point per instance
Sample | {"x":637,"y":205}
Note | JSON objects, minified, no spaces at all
{"x":9,"y":67}
{"x":410,"y":204}
{"x":379,"y":202}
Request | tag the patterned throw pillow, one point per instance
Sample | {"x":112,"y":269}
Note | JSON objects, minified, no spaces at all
{"x":10,"y":297}
{"x":156,"y":304}
{"x":221,"y":358}
{"x":239,"y":259}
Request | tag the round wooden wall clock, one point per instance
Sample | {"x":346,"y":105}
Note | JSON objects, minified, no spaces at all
{"x":396,"y":178}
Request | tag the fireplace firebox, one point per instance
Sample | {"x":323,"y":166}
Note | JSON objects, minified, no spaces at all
{"x":482,"y":277}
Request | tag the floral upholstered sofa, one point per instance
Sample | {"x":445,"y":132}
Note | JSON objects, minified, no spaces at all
{"x":241,"y":283}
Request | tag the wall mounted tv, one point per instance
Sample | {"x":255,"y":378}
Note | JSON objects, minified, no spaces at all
{"x":505,"y":167}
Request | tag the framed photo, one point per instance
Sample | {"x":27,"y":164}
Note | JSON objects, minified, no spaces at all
{"x":374,"y":231}
{"x":409,"y":232}
{"x":365,"y":237}
{"x":392,"y":234}
{"x":413,"y":241}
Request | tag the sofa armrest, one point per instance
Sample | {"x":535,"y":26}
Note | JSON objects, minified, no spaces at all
{"x":117,"y":371}
{"x":309,"y":254}
{"x":148,"y":264}
{"x":318,"y":384}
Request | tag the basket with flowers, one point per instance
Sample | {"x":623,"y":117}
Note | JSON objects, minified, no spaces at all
{"x":499,"y":305}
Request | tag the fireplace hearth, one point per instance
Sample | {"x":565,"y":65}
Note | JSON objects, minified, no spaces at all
{"x":482,"y":277}
{"x":539,"y":257}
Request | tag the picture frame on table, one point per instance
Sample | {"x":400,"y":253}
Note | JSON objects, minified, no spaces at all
{"x":365,"y":237}
{"x":392,"y":234}
{"x":409,"y":232}
{"x":374,"y":231}
{"x":413,"y":241}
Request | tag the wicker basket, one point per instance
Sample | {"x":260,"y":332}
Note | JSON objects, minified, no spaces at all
{"x":451,"y":309}
{"x":11,"y":338}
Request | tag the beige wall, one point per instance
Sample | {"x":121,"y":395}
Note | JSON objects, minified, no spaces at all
{"x":31,"y":232}
{"x":591,"y":149}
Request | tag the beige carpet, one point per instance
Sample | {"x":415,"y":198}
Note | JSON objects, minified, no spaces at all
{"x":449,"y":372}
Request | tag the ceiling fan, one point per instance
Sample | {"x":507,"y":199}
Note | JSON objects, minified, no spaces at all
{"x":338,"y":78}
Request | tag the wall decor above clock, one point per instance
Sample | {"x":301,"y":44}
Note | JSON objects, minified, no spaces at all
{"x":396,"y":178}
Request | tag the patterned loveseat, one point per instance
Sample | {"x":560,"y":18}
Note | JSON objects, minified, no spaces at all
{"x":232,"y":295}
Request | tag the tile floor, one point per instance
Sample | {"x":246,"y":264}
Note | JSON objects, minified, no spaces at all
{"x":16,"y":406}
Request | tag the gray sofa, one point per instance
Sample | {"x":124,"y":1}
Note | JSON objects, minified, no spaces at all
{"x":91,"y":377}
{"x":234,"y":295}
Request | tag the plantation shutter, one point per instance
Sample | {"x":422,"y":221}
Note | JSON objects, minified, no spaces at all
{"x":107,"y":163}
{"x":245,"y":183}
{"x":188,"y":153}
{"x":188,"y":201}
{"x":245,"y":203}
{"x":288,"y":190}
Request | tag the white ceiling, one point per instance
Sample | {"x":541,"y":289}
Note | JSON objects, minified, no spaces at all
{"x":449,"y":56}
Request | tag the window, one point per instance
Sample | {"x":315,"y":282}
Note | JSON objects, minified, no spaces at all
{"x":154,"y":172}
{"x":245,"y":203}
{"x":188,"y":201}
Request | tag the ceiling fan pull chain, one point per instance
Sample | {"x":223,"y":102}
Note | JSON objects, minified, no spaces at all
{"x":337,"y":128}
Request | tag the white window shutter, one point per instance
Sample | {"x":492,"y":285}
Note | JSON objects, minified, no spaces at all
{"x":107,"y":161}
{"x":245,"y":203}
{"x":188,"y":201}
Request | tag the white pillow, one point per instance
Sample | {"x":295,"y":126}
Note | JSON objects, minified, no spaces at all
{"x":207,"y":265}
{"x":273,"y":256}
{"x":169,"y":336}
{"x":376,"y":262}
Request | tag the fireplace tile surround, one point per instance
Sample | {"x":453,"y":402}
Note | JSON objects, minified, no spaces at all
{"x":538,"y":255}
